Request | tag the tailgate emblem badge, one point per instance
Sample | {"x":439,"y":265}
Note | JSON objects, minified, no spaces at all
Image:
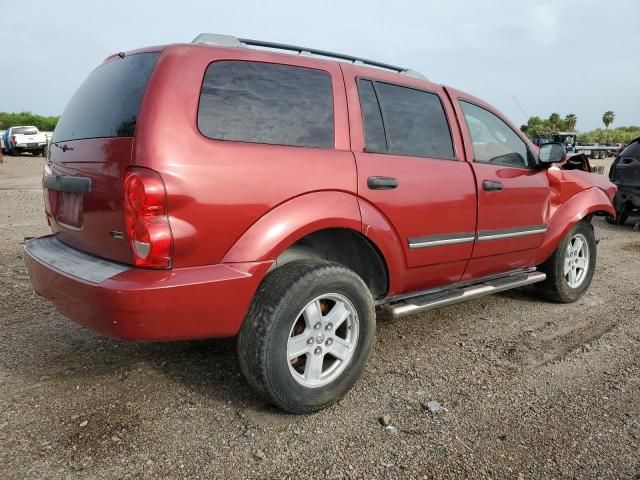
{"x":116,"y":235}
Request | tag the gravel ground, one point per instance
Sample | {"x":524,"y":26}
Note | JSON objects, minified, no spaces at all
{"x":527,"y":389}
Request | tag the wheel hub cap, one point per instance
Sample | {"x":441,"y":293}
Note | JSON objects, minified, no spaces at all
{"x":322,"y":340}
{"x":576,"y":261}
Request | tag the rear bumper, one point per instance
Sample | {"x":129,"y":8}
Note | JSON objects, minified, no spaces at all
{"x":29,"y":146}
{"x":138,"y":304}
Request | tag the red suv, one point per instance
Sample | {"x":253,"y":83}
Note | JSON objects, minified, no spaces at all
{"x":227,"y":187}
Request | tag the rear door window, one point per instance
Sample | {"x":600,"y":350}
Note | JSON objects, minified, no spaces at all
{"x":412,"y":121}
{"x":107,"y":103}
{"x":267,"y":103}
{"x":374,"y":136}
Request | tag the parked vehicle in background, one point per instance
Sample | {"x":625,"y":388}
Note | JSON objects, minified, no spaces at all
{"x":4,"y":140}
{"x":597,"y":151}
{"x":625,"y":174}
{"x":293,"y":196}
{"x":25,"y":139}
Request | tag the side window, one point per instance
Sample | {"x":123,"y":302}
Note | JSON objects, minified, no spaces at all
{"x":493,"y":140}
{"x":374,"y":138}
{"x":267,"y":103}
{"x":413,"y":121}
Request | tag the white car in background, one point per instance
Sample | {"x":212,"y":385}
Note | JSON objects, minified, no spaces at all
{"x":25,"y":139}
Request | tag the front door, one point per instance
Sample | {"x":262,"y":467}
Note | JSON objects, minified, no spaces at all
{"x":513,"y":196}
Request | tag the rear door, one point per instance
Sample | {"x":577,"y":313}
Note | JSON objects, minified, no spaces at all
{"x":90,"y":150}
{"x":513,"y":196}
{"x":411,"y":167}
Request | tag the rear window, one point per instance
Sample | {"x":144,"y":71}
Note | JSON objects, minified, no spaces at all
{"x":24,"y":131}
{"x":107,"y":103}
{"x":267,"y":103}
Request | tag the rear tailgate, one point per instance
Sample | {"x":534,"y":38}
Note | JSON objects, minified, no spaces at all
{"x":91,"y":149}
{"x":90,"y":221}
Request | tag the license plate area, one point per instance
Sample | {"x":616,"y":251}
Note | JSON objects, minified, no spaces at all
{"x":69,"y":211}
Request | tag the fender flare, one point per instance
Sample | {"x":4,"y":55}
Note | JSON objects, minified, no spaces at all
{"x":294,"y":219}
{"x":381,"y":233}
{"x":288,"y":222}
{"x":571,"y":212}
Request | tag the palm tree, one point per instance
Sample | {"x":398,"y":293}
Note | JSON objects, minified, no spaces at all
{"x":607,"y":118}
{"x":571,"y":121}
{"x":554,"y":120}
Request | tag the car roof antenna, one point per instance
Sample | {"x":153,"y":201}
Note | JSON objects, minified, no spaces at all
{"x":526,"y":116}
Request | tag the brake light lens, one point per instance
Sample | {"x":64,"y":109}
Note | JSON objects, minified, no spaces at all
{"x":145,"y":218}
{"x":13,"y":139}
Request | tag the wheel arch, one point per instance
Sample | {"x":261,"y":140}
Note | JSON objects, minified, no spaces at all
{"x":314,"y":220}
{"x":580,"y":207}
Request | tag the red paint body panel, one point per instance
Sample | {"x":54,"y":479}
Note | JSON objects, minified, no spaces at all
{"x":103,"y":160}
{"x":234,"y":207}
{"x":377,"y":228}
{"x":568,"y":214}
{"x":289,"y":222}
{"x":144,"y":304}
{"x":218,"y":189}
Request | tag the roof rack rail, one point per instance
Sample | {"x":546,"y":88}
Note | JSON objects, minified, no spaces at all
{"x":231,"y":41}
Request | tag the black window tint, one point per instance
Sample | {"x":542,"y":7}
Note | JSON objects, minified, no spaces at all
{"x":374,"y":138}
{"x":493,"y":140}
{"x":267,"y":103}
{"x":415,"y":122}
{"x":107,"y":103}
{"x":633,"y":150}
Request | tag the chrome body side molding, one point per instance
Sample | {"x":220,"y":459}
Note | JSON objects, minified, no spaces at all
{"x":438,"y":240}
{"x":485,"y":235}
{"x":481,"y":236}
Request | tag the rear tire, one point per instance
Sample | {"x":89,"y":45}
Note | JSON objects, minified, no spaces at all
{"x":570,"y":267}
{"x":293,"y":313}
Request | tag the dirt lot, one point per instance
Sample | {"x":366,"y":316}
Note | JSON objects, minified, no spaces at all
{"x":529,"y":389}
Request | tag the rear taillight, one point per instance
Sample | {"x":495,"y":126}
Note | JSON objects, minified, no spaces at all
{"x":13,"y":139}
{"x":145,"y":218}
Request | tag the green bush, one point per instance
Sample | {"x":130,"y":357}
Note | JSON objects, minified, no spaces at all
{"x":614,"y":135}
{"x":46,"y":124}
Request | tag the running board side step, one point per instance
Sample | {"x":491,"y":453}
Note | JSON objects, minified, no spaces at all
{"x":443,"y":298}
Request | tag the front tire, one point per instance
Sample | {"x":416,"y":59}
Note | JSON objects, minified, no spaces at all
{"x":308,"y":335}
{"x":619,"y":219}
{"x":571,"y":266}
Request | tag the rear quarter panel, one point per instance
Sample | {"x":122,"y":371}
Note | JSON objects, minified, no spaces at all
{"x":218,"y":189}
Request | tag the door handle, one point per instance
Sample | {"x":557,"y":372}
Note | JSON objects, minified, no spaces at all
{"x":382,"y":183}
{"x":492,"y":186}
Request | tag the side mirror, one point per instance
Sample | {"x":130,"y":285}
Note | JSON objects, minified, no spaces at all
{"x":551,"y":153}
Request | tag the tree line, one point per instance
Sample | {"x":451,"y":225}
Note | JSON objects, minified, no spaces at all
{"x":540,"y":127}
{"x":46,"y":124}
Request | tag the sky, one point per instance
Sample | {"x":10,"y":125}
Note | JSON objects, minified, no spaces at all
{"x":565,"y":56}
